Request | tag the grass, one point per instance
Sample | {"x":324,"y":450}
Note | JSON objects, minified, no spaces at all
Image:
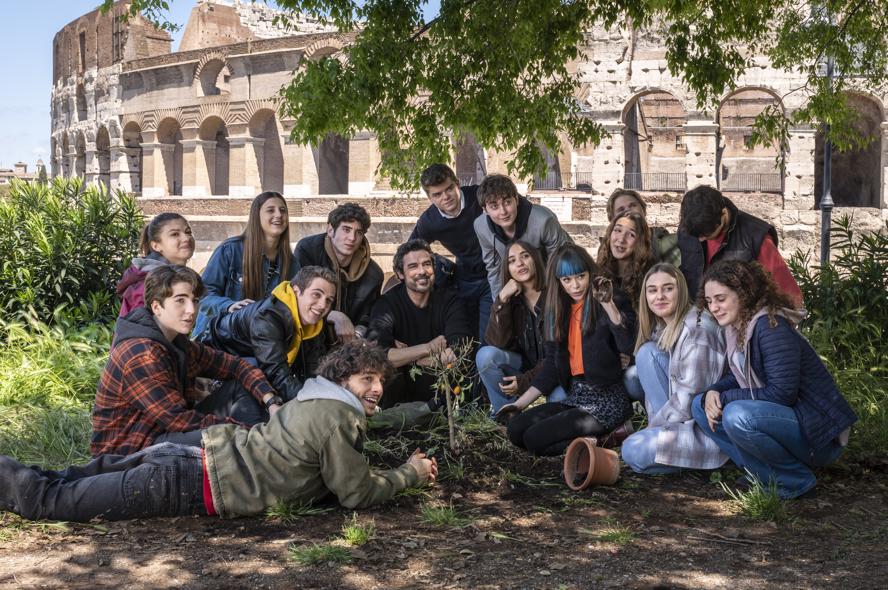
{"x":48,"y":378}
{"x":443,"y":516}
{"x":527,"y":481}
{"x":760,"y":502}
{"x":613,"y":532}
{"x":315,"y":554}
{"x":356,"y":533}
{"x":289,"y":512}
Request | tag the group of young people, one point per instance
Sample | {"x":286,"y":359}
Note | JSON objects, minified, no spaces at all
{"x":252,"y":384}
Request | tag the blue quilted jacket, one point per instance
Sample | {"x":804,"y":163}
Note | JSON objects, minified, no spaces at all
{"x":794,"y":376}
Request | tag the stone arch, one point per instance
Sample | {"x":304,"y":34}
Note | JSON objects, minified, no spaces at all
{"x":331,"y":163}
{"x":80,"y":102}
{"x":212,"y":75}
{"x":66,"y":162}
{"x":80,"y":158}
{"x":217,"y":159}
{"x":653,"y":142}
{"x":471,"y":161}
{"x":856,"y":174}
{"x":132,"y":144}
{"x":103,"y":156}
{"x":740,"y":166}
{"x":323,"y":48}
{"x":270,"y":155}
{"x":169,"y":136}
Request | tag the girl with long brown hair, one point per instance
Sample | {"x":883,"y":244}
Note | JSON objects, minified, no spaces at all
{"x":245,"y":268}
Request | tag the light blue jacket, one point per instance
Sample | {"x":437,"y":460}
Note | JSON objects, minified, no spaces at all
{"x":223,"y":278}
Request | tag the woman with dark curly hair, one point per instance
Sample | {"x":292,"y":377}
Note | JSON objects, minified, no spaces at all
{"x":625,"y":253}
{"x":778,"y":412}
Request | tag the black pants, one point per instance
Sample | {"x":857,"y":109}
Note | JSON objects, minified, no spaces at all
{"x":232,"y":400}
{"x":161,"y":480}
{"x":549,"y":428}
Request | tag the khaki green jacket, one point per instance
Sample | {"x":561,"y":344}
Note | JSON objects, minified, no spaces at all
{"x":308,"y":449}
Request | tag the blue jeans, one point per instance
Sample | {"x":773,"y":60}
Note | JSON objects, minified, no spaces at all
{"x":639,"y":451}
{"x":489,"y":359}
{"x":649,"y":375}
{"x":766,"y":439}
{"x":161,"y":480}
{"x":475,"y":295}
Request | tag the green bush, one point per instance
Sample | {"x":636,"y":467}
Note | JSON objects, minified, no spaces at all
{"x":64,"y":245}
{"x":48,"y":377}
{"x":848,"y":305}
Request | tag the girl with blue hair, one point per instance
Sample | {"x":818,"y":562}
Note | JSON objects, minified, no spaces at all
{"x":587,"y":324}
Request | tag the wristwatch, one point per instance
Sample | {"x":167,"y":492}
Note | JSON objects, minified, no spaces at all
{"x":274,"y":400}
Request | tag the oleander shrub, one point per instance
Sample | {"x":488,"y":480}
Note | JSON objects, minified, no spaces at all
{"x":848,"y":305}
{"x":64,"y":245}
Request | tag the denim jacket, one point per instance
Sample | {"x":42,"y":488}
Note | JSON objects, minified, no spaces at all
{"x":223,"y":278}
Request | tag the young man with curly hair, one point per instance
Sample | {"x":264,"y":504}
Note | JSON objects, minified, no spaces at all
{"x":309,"y":449}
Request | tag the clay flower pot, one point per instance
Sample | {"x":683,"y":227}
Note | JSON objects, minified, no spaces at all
{"x":586,"y":464}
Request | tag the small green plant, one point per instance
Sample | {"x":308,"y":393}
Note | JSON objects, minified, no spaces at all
{"x":414,"y":492}
{"x":452,"y":470}
{"x":288,"y":512}
{"x":315,"y":554}
{"x":759,"y":502}
{"x":527,"y":481}
{"x":443,"y":516}
{"x":612,"y":532}
{"x":357,"y":533}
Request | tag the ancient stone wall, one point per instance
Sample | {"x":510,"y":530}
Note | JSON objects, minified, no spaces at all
{"x":199,"y":129}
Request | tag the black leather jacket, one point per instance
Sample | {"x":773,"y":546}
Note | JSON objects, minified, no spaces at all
{"x":263,"y":330}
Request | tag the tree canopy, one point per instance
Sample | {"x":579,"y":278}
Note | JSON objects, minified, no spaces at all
{"x":498,"y":69}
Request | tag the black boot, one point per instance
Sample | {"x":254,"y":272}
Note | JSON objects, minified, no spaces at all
{"x":13,"y":476}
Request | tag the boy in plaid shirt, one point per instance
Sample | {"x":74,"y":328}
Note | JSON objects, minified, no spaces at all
{"x":147,"y":391}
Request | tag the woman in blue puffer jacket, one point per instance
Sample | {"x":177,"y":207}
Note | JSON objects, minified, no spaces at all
{"x":777,"y":413}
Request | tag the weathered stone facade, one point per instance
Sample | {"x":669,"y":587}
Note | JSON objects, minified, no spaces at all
{"x":198,"y":130}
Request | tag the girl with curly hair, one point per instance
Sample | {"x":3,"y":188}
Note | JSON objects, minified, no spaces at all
{"x":777,"y":413}
{"x":625,"y":253}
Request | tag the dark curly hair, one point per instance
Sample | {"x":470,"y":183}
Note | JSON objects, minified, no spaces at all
{"x":159,"y":282}
{"x":496,"y":186}
{"x":354,"y":358}
{"x":754,"y":286}
{"x":349,"y":212}
{"x":640,"y":260}
{"x":437,"y":174}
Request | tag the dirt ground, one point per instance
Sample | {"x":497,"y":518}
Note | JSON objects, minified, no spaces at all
{"x":523,"y":529}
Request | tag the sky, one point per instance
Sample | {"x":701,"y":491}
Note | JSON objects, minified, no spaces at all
{"x":26,"y":32}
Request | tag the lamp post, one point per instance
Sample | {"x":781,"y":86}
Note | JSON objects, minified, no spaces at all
{"x":826,"y":200}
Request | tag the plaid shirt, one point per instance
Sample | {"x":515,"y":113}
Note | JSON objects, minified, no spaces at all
{"x":139,"y":395}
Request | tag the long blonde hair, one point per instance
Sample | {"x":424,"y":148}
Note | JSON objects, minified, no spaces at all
{"x":647,"y":320}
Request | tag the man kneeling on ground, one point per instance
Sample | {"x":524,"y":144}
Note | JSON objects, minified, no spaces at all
{"x":307,"y":450}
{"x":147,"y":391}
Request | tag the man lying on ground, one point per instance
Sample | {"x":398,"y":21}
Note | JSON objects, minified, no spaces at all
{"x":307,"y":450}
{"x":147,"y":395}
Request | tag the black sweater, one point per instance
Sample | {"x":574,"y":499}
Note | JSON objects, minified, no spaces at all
{"x":457,"y":235}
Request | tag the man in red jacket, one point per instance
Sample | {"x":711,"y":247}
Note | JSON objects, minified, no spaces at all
{"x":147,"y":395}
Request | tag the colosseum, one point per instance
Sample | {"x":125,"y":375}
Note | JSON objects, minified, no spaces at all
{"x":197,"y":131}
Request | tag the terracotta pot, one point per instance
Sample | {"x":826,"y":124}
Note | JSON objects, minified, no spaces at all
{"x":586,"y":464}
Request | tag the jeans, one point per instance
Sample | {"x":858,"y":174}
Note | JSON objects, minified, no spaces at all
{"x":161,"y":480}
{"x":489,"y":359}
{"x":766,"y":439}
{"x":475,"y":295}
{"x":649,"y":375}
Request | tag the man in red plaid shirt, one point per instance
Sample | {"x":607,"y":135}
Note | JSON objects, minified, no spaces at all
{"x":147,"y":391}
